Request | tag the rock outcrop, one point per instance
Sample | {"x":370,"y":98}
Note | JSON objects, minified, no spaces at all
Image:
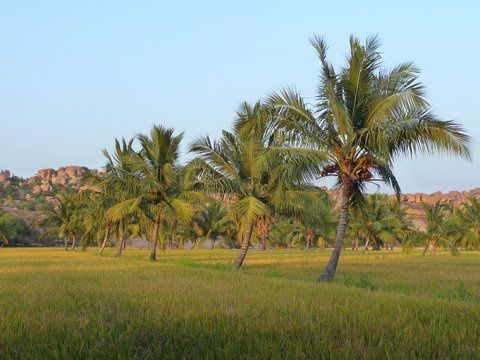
{"x":44,"y":186}
{"x":5,"y":177}
{"x":69,"y":175}
{"x":455,"y":198}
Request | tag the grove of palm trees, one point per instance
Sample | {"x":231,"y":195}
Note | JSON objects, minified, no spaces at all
{"x":259,"y":182}
{"x":210,"y":248}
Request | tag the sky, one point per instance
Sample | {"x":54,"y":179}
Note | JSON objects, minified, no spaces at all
{"x":75,"y":75}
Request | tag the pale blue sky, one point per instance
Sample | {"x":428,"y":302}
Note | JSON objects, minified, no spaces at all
{"x":76,"y":74}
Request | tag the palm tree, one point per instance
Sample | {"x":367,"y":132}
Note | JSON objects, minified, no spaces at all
{"x":107,"y":190}
{"x":65,"y":218}
{"x":402,"y":226}
{"x":252,"y":168}
{"x":286,"y":232}
{"x":374,"y":222}
{"x":440,"y":227}
{"x":6,"y":230}
{"x":161,"y":185}
{"x":469,"y":218}
{"x":363,"y":118}
{"x":319,"y":220}
{"x":121,"y":232}
{"x":214,"y":221}
{"x":13,"y":229}
{"x":98,"y":198}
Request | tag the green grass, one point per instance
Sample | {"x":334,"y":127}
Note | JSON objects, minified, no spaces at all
{"x":190,"y":304}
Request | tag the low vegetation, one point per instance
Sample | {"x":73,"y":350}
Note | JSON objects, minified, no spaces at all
{"x":58,"y":304}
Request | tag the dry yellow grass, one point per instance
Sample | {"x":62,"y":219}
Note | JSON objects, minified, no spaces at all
{"x":190,"y":304}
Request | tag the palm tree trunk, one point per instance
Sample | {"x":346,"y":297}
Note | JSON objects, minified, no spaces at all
{"x":308,"y":238}
{"x":426,"y":247}
{"x":153,"y":254}
{"x":194,"y":243}
{"x":367,"y":242}
{"x":263,"y":246}
{"x":120,"y":246}
{"x":213,"y":242}
{"x":65,"y":242}
{"x":74,"y":240}
{"x":105,"y":239}
{"x":321,"y":243}
{"x":329,"y":272}
{"x":262,"y":232}
{"x":247,"y":235}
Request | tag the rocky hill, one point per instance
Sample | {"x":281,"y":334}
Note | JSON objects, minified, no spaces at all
{"x":29,"y":199}
{"x":69,"y":175}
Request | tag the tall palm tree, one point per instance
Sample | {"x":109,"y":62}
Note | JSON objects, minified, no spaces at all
{"x":160,"y":182}
{"x":364,"y":117}
{"x":251,"y":166}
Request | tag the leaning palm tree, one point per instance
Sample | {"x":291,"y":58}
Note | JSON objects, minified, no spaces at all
{"x":251,"y":167}
{"x":363,"y":118}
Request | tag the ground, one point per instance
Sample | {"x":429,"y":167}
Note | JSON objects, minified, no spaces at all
{"x":190,"y":304}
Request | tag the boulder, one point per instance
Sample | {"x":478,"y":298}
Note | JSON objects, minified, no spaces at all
{"x":67,"y":175}
{"x":46,"y":174}
{"x":5,"y":177}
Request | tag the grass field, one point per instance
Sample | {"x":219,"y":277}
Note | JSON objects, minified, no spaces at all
{"x":190,"y":304}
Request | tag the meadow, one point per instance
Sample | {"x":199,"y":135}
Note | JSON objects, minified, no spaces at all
{"x":191,"y":304}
